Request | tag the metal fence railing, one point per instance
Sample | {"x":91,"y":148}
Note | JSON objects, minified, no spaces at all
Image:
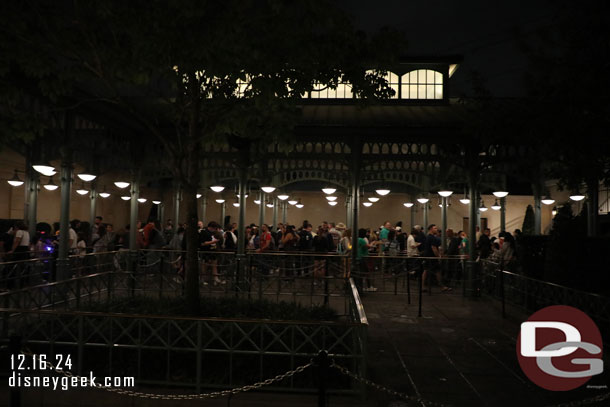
{"x":183,"y":351}
{"x":530,"y":294}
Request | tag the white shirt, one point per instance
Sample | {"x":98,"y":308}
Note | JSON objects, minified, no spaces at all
{"x":412,"y":247}
{"x":72,"y":236}
{"x":25,"y":237}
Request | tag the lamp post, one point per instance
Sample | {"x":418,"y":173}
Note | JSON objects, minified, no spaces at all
{"x":261,"y":208}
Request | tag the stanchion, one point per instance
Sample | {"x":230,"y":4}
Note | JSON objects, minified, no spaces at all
{"x":502,"y":291}
{"x":322,"y":364}
{"x":421,"y":276}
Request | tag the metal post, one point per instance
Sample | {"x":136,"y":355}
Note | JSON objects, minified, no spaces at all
{"x":537,"y":211}
{"x":63,"y":271}
{"x":425,"y":225}
{"x":223,"y":211}
{"x":413,"y":210}
{"x":592,"y":207}
{"x":471,"y":264}
{"x":161,"y":213}
{"x":15,"y":350}
{"x":92,"y":204}
{"x":241,"y":242}
{"x":133,"y":225}
{"x":33,"y":186}
{"x":274,"y":218}
{"x":284,"y":210}
{"x":348,"y":211}
{"x":322,"y":364}
{"x":261,"y":208}
{"x":444,"y":225}
{"x":502,"y":214}
{"x":176,"y":210}
{"x":204,"y":208}
{"x":355,"y":200}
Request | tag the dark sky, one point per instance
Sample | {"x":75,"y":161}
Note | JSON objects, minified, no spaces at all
{"x":482,"y":31}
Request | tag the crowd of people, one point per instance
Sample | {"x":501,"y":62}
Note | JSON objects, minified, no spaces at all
{"x":328,"y":237}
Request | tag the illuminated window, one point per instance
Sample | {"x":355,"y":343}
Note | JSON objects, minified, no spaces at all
{"x":242,"y":86}
{"x":422,"y":84}
{"x":343,"y":91}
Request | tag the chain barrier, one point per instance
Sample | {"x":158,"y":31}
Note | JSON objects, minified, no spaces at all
{"x":384,"y":389}
{"x":153,"y":396}
{"x":405,"y":396}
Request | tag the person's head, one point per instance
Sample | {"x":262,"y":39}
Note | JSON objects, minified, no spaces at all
{"x":449,"y":233}
{"x":213,"y":226}
{"x":324,"y":225}
{"x":392,"y":235}
{"x":309,"y":227}
{"x":418,"y":228}
{"x":20,"y":225}
{"x":347,"y":233}
{"x":487,"y":231}
{"x":98,"y":220}
{"x":332,"y":225}
{"x":432,"y":229}
{"x":109,"y":227}
{"x":463,"y":234}
{"x":305,"y":223}
{"x":200,"y":224}
{"x":362,"y":233}
{"x":496,"y":246}
{"x":139,"y":224}
{"x":265,"y":228}
{"x":414,"y":232}
{"x":387,"y":224}
{"x":320,"y":230}
{"x":180,"y":231}
{"x":228,"y":228}
{"x":101,"y":231}
{"x":254,"y":231}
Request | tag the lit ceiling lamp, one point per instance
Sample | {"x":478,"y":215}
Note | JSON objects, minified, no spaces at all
{"x":198,"y":196}
{"x":332,"y":203}
{"x":547,"y":200}
{"x":482,"y":208}
{"x":220,"y":201}
{"x":283,"y":197}
{"x":293,"y":202}
{"x":82,"y":190}
{"x":156,"y":202}
{"x":15,"y":181}
{"x":217,"y":188}
{"x":577,"y":197}
{"x":245,"y":196}
{"x":268,"y":189}
{"x":104,"y":194}
{"x":367,"y":204}
{"x":554,"y":211}
{"x":445,"y":193}
{"x":465,"y":200}
{"x":86,"y":177}
{"x":236,"y":204}
{"x":496,"y":206}
{"x":382,"y":192}
{"x":299,"y":205}
{"x":121,"y":184}
{"x":408,"y":204}
{"x":50,"y":186}
{"x":269,"y":205}
{"x":125,"y":198}
{"x":373,"y":198}
{"x":257,"y":201}
{"x":45,"y":169}
{"x":500,"y":194}
{"x":329,"y":190}
{"x":422,"y":200}
{"x":141,"y":200}
{"x":331,"y":198}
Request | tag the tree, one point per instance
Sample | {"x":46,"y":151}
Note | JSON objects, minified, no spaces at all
{"x":193,"y":72}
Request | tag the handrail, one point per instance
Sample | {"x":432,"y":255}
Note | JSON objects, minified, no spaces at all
{"x":181,"y":318}
{"x":358,"y":302}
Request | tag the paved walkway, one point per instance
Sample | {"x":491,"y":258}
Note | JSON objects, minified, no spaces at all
{"x":460,"y":352}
